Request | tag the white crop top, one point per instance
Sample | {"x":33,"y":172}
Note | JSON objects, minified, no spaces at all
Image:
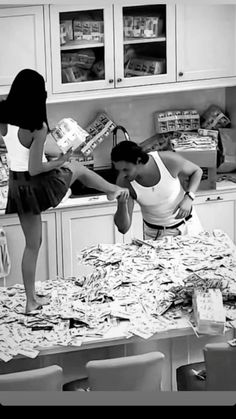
{"x":158,"y":202}
{"x":18,"y":155}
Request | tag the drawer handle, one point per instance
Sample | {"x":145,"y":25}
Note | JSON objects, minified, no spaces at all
{"x":214,"y":199}
{"x":93,"y":198}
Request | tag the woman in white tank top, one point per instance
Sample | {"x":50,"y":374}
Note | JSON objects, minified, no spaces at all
{"x":153,"y":181}
{"x":36,"y":184}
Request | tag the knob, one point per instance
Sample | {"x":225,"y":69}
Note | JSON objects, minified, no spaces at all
{"x":119,"y":80}
{"x":111,"y":81}
{"x":181,"y":73}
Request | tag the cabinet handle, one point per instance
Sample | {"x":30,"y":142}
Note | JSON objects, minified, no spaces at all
{"x":181,"y":73}
{"x":215,"y":199}
{"x":119,"y":80}
{"x":93,"y":198}
{"x":111,"y":81}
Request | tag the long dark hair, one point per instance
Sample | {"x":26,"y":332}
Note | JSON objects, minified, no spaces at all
{"x":25,"y":105}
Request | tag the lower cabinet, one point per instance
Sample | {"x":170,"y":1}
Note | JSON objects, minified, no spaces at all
{"x":218,"y":211}
{"x":69,"y":230}
{"x":47,"y":261}
{"x":84,"y":227}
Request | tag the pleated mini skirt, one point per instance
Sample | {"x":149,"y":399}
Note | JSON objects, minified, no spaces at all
{"x":34,"y":194}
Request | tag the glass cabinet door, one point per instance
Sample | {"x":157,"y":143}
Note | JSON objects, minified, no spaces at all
{"x":82,"y":48}
{"x":144,"y":43}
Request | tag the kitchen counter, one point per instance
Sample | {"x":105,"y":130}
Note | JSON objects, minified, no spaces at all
{"x":222,"y":186}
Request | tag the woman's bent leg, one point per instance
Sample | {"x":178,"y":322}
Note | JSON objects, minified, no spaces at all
{"x":93,"y":180}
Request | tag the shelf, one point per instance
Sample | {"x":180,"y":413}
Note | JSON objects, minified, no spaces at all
{"x":81,"y":44}
{"x":128,"y":41}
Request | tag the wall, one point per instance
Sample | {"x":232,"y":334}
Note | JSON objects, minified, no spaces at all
{"x":135,"y":114}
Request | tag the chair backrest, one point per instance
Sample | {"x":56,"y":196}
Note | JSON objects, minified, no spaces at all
{"x":220,"y":361}
{"x":41,"y":379}
{"x":132,"y":373}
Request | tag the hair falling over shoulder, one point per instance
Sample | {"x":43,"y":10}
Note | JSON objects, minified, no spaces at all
{"x":25,"y":105}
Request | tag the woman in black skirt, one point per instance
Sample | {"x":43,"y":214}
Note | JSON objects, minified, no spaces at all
{"x":36,"y":184}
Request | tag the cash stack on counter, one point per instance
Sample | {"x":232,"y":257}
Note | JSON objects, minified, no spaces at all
{"x":209,"y":312}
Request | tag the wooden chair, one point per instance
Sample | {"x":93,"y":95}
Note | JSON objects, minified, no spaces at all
{"x":41,"y":379}
{"x":219,"y":366}
{"x":132,"y":373}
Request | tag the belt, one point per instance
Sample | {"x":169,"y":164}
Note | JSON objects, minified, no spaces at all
{"x":19,"y":175}
{"x":157,"y":227}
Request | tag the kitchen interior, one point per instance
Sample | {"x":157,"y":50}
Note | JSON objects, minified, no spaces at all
{"x":132,"y":99}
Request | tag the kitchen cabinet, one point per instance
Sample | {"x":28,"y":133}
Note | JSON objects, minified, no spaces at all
{"x":206,"y":41}
{"x":191,"y":43}
{"x":22,"y":42}
{"x":217,"y":210}
{"x":122,"y":45}
{"x":68,"y":230}
{"x":86,"y":227}
{"x":47,"y":260}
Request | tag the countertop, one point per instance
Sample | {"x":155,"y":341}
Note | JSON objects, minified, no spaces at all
{"x":222,"y":186}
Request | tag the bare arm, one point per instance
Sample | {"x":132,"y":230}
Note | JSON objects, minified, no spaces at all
{"x":177,"y":165}
{"x":3,"y":129}
{"x":125,"y":206}
{"x":36,"y":165}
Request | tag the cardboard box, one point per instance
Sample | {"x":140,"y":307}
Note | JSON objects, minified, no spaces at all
{"x":206,"y":159}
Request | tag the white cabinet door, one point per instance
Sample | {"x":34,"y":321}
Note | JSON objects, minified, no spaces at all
{"x":218,"y":211}
{"x":86,"y":227}
{"x":47,"y":261}
{"x":144,"y":42}
{"x":115,"y":60}
{"x":82,"y":59}
{"x":22,"y":43}
{"x":206,"y":41}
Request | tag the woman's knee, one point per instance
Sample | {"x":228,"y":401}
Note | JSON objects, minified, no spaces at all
{"x":34,"y":243}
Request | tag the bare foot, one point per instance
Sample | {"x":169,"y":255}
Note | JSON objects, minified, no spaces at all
{"x":42,"y":300}
{"x":118,"y":192}
{"x":32,"y":306}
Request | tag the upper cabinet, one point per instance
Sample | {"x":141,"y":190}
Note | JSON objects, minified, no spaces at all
{"x":111,"y":48}
{"x":144,"y":37}
{"x":206,"y":41}
{"x":22,"y":42}
{"x":106,"y":46}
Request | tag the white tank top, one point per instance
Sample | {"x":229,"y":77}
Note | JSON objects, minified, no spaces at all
{"x":18,"y":155}
{"x":158,"y":202}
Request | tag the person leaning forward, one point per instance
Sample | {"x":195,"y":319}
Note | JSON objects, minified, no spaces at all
{"x":153,"y":180}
